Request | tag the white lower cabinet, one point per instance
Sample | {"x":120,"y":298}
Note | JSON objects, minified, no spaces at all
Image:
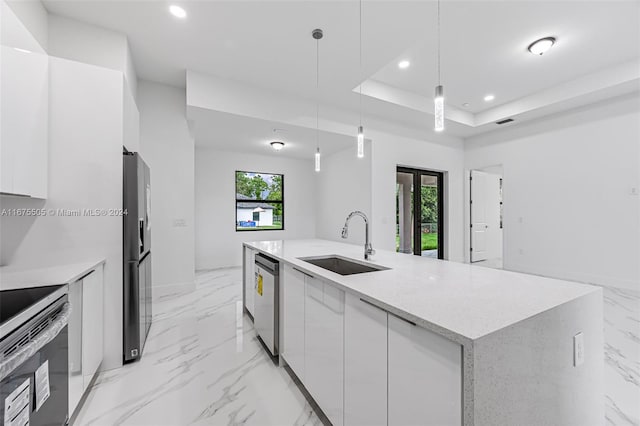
{"x":86,"y":333}
{"x":292,"y":339}
{"x":76,"y":380}
{"x":249,"y":279}
{"x":365,"y":363}
{"x":425,"y":377}
{"x":92,"y":324}
{"x":324,"y":347}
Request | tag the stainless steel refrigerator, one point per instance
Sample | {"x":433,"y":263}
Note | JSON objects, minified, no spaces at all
{"x":136,"y":256}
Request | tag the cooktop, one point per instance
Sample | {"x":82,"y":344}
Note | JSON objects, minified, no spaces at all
{"x":12,"y":302}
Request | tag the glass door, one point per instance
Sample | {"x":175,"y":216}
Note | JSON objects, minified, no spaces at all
{"x":419,"y":212}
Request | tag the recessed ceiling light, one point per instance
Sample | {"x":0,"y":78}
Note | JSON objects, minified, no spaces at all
{"x":404,"y":64}
{"x":277,"y":145}
{"x":539,"y":47}
{"x":489,"y":98}
{"x":177,"y":11}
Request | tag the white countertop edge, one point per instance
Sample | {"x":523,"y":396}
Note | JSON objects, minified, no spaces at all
{"x":464,"y":339}
{"x":12,"y":278}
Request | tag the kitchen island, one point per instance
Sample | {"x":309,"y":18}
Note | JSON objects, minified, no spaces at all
{"x":434,"y":342}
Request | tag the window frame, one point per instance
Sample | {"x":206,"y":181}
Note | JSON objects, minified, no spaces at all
{"x":281,"y":202}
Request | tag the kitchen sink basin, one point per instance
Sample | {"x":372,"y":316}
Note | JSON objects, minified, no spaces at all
{"x":342,"y":265}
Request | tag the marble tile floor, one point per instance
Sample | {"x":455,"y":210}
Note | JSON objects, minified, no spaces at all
{"x":204,"y":366}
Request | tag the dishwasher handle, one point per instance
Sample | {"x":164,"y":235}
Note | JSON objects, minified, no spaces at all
{"x":271,"y":265}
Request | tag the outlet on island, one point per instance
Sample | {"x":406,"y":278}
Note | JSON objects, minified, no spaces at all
{"x":578,"y":349}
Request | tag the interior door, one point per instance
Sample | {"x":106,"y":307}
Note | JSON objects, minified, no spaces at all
{"x":479,"y":184}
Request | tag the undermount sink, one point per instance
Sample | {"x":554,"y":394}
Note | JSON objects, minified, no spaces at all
{"x":342,"y":265}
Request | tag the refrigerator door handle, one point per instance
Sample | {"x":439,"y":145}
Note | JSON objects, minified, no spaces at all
{"x":141,"y":234}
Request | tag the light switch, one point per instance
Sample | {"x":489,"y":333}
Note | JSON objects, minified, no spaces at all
{"x":578,"y":349}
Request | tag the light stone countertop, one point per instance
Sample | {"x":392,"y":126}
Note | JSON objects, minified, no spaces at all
{"x":12,"y":277}
{"x":460,"y":301}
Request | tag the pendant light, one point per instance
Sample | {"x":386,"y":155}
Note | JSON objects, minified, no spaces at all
{"x":438,"y":99}
{"x":360,"y":128}
{"x":317,"y":35}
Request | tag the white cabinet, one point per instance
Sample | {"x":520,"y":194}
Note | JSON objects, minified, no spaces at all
{"x":24,"y":84}
{"x":249,"y":279}
{"x":292,"y":339}
{"x":92,"y":324}
{"x":365,"y":363}
{"x":425,"y":377}
{"x":76,"y":380}
{"x":324,"y":347}
{"x":86,"y":333}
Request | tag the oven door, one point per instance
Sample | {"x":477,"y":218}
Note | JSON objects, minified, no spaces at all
{"x":35,"y":377}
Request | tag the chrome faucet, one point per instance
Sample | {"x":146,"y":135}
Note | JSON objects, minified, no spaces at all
{"x":368,"y":250}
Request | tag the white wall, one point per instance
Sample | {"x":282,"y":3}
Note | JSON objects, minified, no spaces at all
{"x":218,"y":243}
{"x":569,"y":207}
{"x":85,"y":171}
{"x":344,"y":185}
{"x":167,"y":147}
{"x":390,"y":151}
{"x":79,"y":41}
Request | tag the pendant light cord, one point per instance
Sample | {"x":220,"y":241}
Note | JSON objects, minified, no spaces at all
{"x":360,"y":63}
{"x":317,"y":94}
{"x":439,"y":42}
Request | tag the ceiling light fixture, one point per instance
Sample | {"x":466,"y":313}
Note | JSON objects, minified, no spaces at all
{"x":360,"y":136}
{"x":317,"y":34}
{"x":177,"y":11}
{"x":21,"y":50}
{"x":403,"y":65}
{"x":277,"y":145}
{"x":539,"y":47}
{"x":438,"y":99}
{"x":489,"y":98}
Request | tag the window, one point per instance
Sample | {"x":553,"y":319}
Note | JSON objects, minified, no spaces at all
{"x":259,"y":201}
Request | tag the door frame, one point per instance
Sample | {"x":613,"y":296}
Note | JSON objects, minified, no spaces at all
{"x":417,"y":202}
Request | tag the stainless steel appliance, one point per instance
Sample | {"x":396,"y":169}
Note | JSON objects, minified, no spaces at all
{"x":137,"y":256}
{"x":266,"y":318}
{"x":34,"y":363}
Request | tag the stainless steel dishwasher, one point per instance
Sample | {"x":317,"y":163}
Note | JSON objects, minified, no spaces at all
{"x":266,"y":321}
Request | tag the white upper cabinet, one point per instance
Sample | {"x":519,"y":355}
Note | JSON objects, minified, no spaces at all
{"x":24,"y":110}
{"x":365,"y":363}
{"x":425,"y":377}
{"x":292,"y":340}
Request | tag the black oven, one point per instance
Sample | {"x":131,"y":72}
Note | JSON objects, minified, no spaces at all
{"x":34,"y":372}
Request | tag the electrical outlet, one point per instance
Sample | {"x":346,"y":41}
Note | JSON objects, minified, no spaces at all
{"x":578,"y":349}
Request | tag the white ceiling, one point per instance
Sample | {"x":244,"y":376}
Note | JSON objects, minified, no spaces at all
{"x":484,"y":48}
{"x":268,"y":44}
{"x":237,"y":133}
